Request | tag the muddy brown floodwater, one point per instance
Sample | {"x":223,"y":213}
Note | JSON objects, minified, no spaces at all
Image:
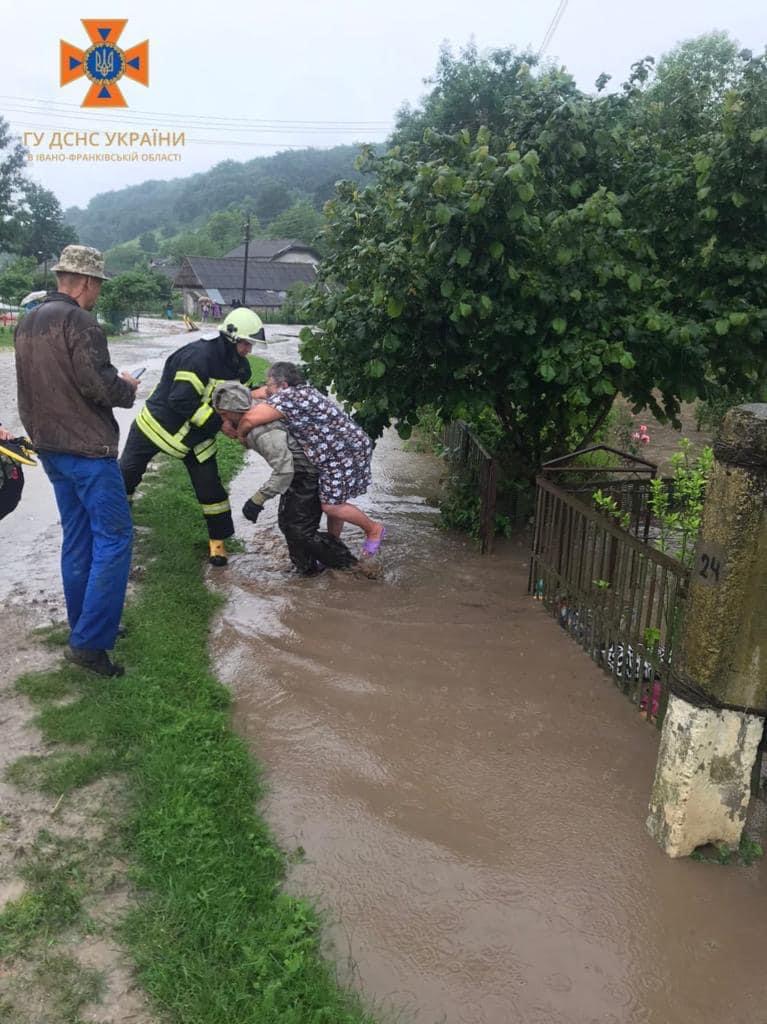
{"x":470,"y":790}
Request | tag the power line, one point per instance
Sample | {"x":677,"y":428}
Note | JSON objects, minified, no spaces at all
{"x":553,"y":26}
{"x":272,"y":144}
{"x":132,"y":120}
{"x":62,"y":107}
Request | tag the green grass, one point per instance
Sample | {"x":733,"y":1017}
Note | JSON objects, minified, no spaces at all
{"x":6,"y":338}
{"x":215,"y":938}
{"x":748,"y":852}
{"x":60,"y":772}
{"x":53,"y":872}
{"x":69,"y":986}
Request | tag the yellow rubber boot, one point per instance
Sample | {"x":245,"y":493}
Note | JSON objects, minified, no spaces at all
{"x":217,"y":553}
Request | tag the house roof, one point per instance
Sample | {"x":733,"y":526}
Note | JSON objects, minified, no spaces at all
{"x":270,"y":248}
{"x":226,"y":274}
{"x":166,"y":269}
{"x":253,"y":297}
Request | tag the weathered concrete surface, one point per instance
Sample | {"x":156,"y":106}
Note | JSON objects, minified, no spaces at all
{"x":724,"y":640}
{"x":703,"y":777}
{"x":702,"y":782}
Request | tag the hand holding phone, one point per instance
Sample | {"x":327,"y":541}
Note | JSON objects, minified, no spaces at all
{"x":132,"y":377}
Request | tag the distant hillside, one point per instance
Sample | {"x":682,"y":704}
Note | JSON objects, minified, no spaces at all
{"x":272,"y":184}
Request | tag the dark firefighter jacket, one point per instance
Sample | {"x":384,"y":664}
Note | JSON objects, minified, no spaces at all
{"x":178,"y":416}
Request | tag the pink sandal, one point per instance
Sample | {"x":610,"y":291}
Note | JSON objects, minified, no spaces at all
{"x":370,"y":547}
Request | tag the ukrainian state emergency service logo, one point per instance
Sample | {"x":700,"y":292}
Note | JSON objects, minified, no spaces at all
{"x":104,"y":63}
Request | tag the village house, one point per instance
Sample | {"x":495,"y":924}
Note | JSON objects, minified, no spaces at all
{"x":277,"y":250}
{"x":206,"y":282}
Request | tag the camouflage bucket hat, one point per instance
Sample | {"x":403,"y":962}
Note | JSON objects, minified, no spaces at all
{"x":231,"y":397}
{"x":81,"y":259}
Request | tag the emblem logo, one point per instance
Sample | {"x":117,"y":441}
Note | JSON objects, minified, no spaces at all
{"x":104,"y":63}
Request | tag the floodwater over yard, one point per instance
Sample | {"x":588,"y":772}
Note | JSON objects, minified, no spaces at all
{"x":467,"y":791}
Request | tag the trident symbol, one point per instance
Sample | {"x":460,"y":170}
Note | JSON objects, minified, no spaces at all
{"x":105,"y":62}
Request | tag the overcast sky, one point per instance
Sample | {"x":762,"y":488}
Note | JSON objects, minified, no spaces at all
{"x":348,"y":62}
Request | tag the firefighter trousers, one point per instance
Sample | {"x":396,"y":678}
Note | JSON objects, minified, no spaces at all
{"x":214,"y":501}
{"x":298,"y":517}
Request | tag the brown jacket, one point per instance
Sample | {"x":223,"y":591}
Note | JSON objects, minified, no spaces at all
{"x":67,"y":386}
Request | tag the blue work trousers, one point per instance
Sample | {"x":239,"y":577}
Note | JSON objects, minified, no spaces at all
{"x":96,"y":546}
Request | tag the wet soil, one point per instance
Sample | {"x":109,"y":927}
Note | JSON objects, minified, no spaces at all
{"x":30,"y":592}
{"x":469,"y":791}
{"x":30,"y":595}
{"x":90,"y":815}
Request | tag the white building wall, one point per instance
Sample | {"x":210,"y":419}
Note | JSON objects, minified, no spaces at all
{"x":297,"y":257}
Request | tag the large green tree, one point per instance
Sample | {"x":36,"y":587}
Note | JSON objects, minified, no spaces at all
{"x":41,"y":229}
{"x":12,"y":161}
{"x":301,"y":221}
{"x":536,"y":250}
{"x":19,"y":278}
{"x":131,"y":294}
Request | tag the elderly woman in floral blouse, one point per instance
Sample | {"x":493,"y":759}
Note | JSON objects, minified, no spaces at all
{"x":339,"y":449}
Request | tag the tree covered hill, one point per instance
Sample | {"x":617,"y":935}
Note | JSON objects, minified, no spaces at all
{"x":268,"y":185}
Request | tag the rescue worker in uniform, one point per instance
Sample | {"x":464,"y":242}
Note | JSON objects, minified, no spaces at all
{"x":295,"y":480}
{"x":178,"y":418}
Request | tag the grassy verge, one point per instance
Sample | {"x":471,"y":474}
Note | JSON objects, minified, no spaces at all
{"x":215,"y":939}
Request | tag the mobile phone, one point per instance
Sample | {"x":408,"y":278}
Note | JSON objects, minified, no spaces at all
{"x":137,"y":373}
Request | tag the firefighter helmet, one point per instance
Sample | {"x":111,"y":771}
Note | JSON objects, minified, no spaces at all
{"x":242,"y":324}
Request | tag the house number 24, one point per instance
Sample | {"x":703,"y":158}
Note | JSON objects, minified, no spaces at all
{"x":710,"y":569}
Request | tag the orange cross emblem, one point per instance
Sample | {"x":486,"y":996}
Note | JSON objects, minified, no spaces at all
{"x":104,"y":63}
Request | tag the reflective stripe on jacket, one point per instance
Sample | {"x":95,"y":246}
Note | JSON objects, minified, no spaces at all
{"x":178,"y":416}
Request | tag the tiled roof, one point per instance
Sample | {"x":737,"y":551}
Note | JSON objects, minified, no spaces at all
{"x":269,"y":248}
{"x":226,"y":274}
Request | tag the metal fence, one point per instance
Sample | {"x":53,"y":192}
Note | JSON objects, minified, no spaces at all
{"x":464,"y":450}
{"x":618,"y":596}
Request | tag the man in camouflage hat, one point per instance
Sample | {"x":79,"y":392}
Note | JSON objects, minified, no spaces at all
{"x":294,"y":479}
{"x":67,"y":388}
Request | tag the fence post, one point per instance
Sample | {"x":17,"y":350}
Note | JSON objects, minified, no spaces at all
{"x":714,"y":719}
{"x":488,"y":496}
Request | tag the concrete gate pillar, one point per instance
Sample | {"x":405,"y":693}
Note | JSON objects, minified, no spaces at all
{"x":714,"y":720}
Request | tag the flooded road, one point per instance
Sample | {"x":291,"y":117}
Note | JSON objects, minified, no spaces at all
{"x":469,"y":790}
{"x":29,"y":578}
{"x":32,"y":535}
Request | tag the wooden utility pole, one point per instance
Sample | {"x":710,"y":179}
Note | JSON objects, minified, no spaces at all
{"x":245,"y":266}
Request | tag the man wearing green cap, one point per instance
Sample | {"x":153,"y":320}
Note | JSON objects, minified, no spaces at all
{"x":67,"y":388}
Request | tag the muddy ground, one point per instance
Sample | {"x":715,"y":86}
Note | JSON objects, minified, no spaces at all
{"x":31,"y":599}
{"x":469,"y":790}
{"x":30,"y":593}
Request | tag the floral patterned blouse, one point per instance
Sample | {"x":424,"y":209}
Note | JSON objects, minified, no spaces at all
{"x":339,"y":449}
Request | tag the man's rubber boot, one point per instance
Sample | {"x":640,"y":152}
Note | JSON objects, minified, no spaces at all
{"x":217,"y":553}
{"x":95,"y":661}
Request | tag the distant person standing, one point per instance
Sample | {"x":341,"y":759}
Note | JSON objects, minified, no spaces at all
{"x":67,"y":388}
